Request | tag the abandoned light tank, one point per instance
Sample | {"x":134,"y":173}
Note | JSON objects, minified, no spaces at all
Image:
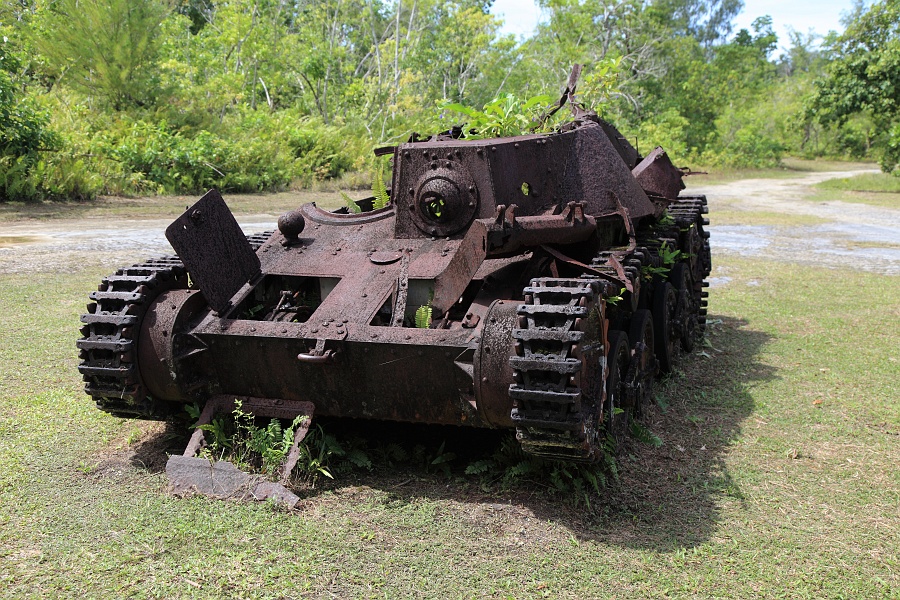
{"x":553,"y":276}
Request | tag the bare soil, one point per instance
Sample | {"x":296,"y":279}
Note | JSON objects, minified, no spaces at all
{"x":845,"y":234}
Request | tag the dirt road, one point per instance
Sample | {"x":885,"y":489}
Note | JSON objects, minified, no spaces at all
{"x":845,"y":233}
{"x":864,"y":236}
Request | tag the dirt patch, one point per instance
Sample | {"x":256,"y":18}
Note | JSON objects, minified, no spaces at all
{"x":852,"y":235}
{"x":145,"y":449}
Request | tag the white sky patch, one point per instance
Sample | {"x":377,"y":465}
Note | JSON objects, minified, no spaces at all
{"x":522,"y":16}
{"x":821,"y":16}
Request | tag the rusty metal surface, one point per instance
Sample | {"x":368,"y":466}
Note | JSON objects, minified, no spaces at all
{"x":658,"y":176}
{"x":323,"y":313}
{"x":540,"y":174}
{"x":190,"y":475}
{"x":207,"y":237}
{"x":493,"y":374}
{"x":157,"y":346}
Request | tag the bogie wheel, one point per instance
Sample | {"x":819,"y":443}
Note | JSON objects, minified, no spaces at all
{"x":686,"y":308}
{"x":617,"y":409}
{"x":665,"y":303}
{"x":643,"y":367}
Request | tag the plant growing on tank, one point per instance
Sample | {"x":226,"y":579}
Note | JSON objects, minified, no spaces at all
{"x":423,"y":316}
{"x":263,"y":448}
{"x":503,"y":116}
{"x":667,"y":256}
{"x":351,"y":204}
{"x":666,"y":220}
{"x":379,"y":190}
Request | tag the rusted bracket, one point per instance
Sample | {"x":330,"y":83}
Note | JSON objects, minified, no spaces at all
{"x":622,"y":280}
{"x":615,"y":264}
{"x":402,"y":291}
{"x":294,"y":454}
{"x":622,"y":211}
{"x":507,"y":232}
{"x":318,"y":355}
{"x":212,"y":407}
{"x":574,"y":213}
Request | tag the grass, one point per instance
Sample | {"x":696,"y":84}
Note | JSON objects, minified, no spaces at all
{"x":731,"y":213}
{"x":776,"y":477}
{"x":866,"y":182}
{"x":789,"y":168}
{"x":877,"y":189}
{"x":160,"y":207}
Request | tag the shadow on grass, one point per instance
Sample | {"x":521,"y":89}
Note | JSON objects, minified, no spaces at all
{"x":665,"y":498}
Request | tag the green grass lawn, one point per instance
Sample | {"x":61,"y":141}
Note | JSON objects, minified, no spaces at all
{"x":777,"y":477}
{"x":878,"y":189}
{"x":162,"y":207}
{"x":789,"y":168}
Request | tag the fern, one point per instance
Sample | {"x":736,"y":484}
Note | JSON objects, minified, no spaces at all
{"x":352,"y":206}
{"x":668,"y":255}
{"x":379,"y":190}
{"x":480,"y":467}
{"x":645,"y":435}
{"x":525,"y":467}
{"x":666,"y":220}
{"x":423,"y":317}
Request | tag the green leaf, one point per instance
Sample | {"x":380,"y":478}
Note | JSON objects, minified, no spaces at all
{"x":382,"y":199}
{"x":423,"y":317}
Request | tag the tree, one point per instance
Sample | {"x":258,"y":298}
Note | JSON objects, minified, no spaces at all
{"x":106,"y":48}
{"x":708,"y":21}
{"x":865,"y":76}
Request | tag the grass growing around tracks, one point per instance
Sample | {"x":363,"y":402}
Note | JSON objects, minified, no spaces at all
{"x":777,"y":477}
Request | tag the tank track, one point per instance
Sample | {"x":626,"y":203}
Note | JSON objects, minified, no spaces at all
{"x":555,"y":418}
{"x":107,"y":348}
{"x":693,"y":239}
{"x":559,"y":347}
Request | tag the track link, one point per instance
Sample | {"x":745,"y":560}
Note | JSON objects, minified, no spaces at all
{"x":108,"y":346}
{"x":559,"y":356}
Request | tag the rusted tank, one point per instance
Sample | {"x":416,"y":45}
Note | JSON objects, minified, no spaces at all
{"x":553,"y":276}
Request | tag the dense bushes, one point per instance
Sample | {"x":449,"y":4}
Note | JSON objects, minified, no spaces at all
{"x":248,"y":152}
{"x":24,"y":136}
{"x":153,"y":97}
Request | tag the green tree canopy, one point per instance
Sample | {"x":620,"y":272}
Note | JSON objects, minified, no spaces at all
{"x":864,"y":76}
{"x":107,"y":47}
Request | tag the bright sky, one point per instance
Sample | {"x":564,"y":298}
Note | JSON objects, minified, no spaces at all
{"x":522,"y":16}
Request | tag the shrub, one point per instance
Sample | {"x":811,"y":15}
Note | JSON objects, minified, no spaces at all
{"x":24,"y":135}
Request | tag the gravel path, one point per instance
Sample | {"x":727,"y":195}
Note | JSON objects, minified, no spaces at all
{"x":853,"y":231}
{"x":66,"y":244}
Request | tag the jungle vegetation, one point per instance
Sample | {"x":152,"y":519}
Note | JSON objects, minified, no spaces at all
{"x":177,"y":96}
